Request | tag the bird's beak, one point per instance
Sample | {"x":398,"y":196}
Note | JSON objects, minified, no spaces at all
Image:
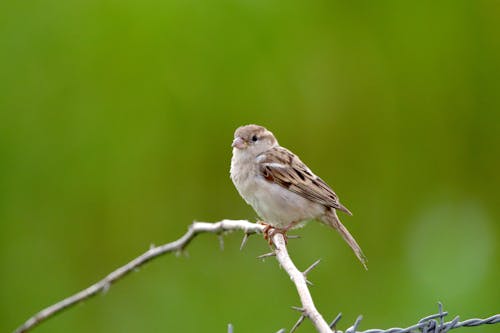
{"x":239,"y":143}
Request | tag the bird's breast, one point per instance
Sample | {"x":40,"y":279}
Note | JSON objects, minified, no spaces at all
{"x":273,"y":203}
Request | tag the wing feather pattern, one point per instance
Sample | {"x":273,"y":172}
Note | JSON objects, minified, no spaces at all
{"x":280,"y":166}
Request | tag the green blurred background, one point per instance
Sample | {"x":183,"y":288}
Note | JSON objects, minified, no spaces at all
{"x":116,"y":119}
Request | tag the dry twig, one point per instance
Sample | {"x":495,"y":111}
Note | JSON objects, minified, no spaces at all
{"x":154,"y":252}
{"x":308,"y":309}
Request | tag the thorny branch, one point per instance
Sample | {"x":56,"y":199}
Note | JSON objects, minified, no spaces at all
{"x":154,"y":252}
{"x":308,"y":310}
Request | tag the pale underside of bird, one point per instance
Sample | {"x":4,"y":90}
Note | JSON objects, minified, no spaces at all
{"x":282,"y":190}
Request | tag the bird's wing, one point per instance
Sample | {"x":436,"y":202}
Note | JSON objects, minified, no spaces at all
{"x":280,"y":166}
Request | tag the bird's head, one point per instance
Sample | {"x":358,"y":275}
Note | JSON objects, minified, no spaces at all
{"x":253,"y":139}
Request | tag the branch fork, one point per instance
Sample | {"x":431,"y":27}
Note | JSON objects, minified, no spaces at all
{"x":307,"y":310}
{"x":178,"y":247}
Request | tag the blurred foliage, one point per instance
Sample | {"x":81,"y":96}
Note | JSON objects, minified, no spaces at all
{"x":116,"y":119}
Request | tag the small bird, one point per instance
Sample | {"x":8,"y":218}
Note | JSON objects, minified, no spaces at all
{"x":283,"y":191}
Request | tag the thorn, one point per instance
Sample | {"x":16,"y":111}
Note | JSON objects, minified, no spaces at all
{"x":151,"y":246}
{"x":434,"y":316}
{"x":281,"y":331}
{"x":106,"y":287}
{"x":297,"y":308}
{"x":221,"y":241}
{"x":310,"y":268}
{"x":448,"y":326}
{"x":244,"y":241}
{"x":182,"y":252}
{"x":297,"y":324}
{"x":354,"y":327}
{"x":265,"y":255}
{"x":335,"y":321}
{"x":294,"y":236}
{"x":309,"y":283}
{"x":229,"y":328}
{"x":441,"y":316}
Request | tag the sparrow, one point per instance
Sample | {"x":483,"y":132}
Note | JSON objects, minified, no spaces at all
{"x":282,"y":190}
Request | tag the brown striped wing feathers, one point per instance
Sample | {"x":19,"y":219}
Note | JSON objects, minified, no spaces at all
{"x":280,"y":166}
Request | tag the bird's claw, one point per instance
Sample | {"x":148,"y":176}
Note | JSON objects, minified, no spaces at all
{"x":269,"y":232}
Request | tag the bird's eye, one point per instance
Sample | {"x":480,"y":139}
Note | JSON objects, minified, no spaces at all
{"x":254,"y":138}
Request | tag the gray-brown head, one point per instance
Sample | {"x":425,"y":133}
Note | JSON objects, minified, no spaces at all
{"x":253,"y":138}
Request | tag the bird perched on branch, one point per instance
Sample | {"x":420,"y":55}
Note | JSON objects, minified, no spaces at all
{"x":283,"y":191}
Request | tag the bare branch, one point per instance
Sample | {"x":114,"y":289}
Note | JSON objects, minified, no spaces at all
{"x":309,"y":309}
{"x":433,"y":323}
{"x":103,"y":285}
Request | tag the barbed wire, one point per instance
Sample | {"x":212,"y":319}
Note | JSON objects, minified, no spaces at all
{"x":429,"y":324}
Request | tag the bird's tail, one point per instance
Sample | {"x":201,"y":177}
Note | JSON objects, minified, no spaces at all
{"x":332,"y":219}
